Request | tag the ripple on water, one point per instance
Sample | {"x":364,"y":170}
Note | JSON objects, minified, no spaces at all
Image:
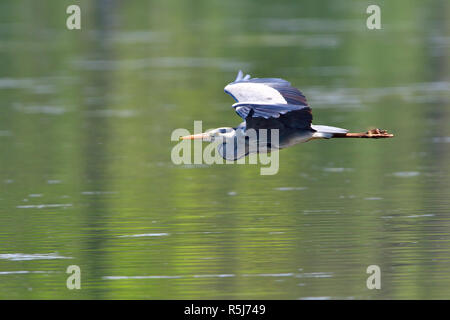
{"x":315,"y":275}
{"x":338,"y":169}
{"x":111,"y":113}
{"x":226,"y":275}
{"x":420,"y":215}
{"x":54,"y":181}
{"x":290,"y":188}
{"x":168,"y":277}
{"x":194,"y":166}
{"x":139,"y":277}
{"x":308,"y":25}
{"x":406,"y":174}
{"x":289,"y":274}
{"x":286,"y":40}
{"x":88,"y":193}
{"x":441,"y":139}
{"x":321,"y":211}
{"x":26,"y":272}
{"x":214,"y":275}
{"x":35,"y":195}
{"x":41,"y":206}
{"x":160,"y":62}
{"x":140,"y":36}
{"x":32,"y":256}
{"x":50,"y":110}
{"x":324,"y":97}
{"x":144,"y":235}
{"x":10,"y":83}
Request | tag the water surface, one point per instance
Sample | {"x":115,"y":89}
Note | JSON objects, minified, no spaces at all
{"x":86,"y":177}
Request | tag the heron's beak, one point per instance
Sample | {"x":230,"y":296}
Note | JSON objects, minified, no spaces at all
{"x":198,"y":136}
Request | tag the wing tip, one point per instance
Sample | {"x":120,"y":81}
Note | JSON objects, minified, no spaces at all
{"x":240,"y":76}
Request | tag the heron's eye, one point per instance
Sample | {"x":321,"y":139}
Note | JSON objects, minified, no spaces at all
{"x":222,"y":130}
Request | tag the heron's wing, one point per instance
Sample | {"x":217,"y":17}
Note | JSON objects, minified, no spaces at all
{"x":264,"y":90}
{"x":274,"y":116}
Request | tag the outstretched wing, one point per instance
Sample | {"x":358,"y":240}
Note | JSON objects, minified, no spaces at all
{"x":264,"y":90}
{"x":269,"y":103}
{"x":274,"y":116}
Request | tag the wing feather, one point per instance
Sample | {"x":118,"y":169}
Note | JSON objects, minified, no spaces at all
{"x":270,"y":116}
{"x":264,"y":90}
{"x":269,"y":103}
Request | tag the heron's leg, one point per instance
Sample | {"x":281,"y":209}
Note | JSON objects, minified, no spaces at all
{"x":374,"y":134}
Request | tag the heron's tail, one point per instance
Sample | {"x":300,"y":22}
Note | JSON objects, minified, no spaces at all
{"x":327,"y":132}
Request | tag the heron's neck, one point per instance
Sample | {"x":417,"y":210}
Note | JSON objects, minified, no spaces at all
{"x":233,"y":146}
{"x":232,"y":135}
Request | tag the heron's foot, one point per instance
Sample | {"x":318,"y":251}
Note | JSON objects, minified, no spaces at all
{"x":378,"y":133}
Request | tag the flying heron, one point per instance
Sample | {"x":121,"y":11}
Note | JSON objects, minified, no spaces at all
{"x":274,"y":105}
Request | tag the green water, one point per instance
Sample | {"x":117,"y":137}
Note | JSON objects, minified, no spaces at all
{"x":86,"y":176}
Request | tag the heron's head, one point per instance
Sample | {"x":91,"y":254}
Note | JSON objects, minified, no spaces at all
{"x":223,"y":133}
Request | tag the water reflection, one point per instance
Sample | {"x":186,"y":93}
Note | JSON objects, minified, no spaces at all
{"x":86,"y":176}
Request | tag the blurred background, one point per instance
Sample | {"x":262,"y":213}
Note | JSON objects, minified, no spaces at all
{"x":85,"y":171}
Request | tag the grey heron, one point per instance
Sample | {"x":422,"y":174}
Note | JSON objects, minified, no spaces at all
{"x":271,"y":104}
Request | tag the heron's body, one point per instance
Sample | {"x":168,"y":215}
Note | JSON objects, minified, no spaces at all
{"x":271,"y":106}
